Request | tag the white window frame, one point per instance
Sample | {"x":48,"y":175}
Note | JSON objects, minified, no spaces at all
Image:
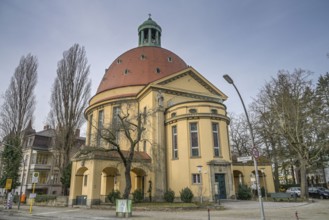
{"x":196,"y":178}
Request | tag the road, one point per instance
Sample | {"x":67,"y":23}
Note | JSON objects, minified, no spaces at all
{"x":233,"y":210}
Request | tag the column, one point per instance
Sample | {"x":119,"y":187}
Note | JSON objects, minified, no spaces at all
{"x":149,"y":36}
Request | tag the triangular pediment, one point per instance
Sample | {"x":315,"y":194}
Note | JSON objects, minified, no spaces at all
{"x":190,"y":81}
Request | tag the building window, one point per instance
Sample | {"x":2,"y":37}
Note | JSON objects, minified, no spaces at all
{"x":214,"y":111}
{"x":55,"y":180}
{"x":157,"y":70}
{"x":173,"y":114}
{"x":169,"y":59}
{"x":215,"y":135}
{"x":196,"y":178}
{"x":126,"y":71}
{"x":119,"y":61}
{"x":42,"y":158}
{"x":115,"y":116}
{"x":30,"y":141}
{"x":100,"y":126}
{"x":142,"y":57}
{"x":194,"y":139}
{"x":90,"y":128}
{"x":192,"y":111}
{"x":174,"y":142}
{"x":85,"y":179}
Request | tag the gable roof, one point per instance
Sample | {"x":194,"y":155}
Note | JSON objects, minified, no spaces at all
{"x":194,"y":84}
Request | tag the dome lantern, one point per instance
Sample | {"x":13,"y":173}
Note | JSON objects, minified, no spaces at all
{"x":149,"y":33}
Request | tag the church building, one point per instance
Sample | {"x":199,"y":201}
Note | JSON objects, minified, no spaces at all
{"x":186,"y":137}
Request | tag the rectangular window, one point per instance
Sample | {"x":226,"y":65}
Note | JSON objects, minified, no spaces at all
{"x":30,"y":141}
{"x":100,"y":126}
{"x":196,"y":178}
{"x":55,"y":180}
{"x":115,"y":117}
{"x":85,"y":179}
{"x":42,"y":158}
{"x":215,"y":135}
{"x":174,"y":142}
{"x":194,"y":139}
{"x":90,"y":128}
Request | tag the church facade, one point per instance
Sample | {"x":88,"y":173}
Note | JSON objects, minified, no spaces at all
{"x":186,"y":137}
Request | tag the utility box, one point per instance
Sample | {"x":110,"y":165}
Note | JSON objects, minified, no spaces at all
{"x":123,"y":208}
{"x":81,"y":200}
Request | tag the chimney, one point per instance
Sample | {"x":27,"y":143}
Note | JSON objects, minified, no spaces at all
{"x":46,"y":127}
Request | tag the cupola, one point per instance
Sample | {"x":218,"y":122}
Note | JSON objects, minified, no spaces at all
{"x":149,"y":33}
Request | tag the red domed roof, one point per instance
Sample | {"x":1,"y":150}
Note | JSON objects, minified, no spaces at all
{"x":141,"y":66}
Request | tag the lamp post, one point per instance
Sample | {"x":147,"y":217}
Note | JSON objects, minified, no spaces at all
{"x":20,"y":191}
{"x":264,"y":181}
{"x":255,"y":152}
{"x":200,"y":187}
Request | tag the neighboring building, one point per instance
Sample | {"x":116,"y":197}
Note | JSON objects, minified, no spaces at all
{"x":186,"y":142}
{"x":40,"y":155}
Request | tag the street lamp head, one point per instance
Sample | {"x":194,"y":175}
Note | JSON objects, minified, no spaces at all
{"x":228,"y":79}
{"x":199,"y":168}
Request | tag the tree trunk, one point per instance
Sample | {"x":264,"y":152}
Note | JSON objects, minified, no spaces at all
{"x":276,"y":176}
{"x":128,"y":181}
{"x":303,"y":181}
{"x":292,"y":170}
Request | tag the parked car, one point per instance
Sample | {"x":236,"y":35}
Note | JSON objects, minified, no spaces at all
{"x":318,"y":192}
{"x":323,"y":189}
{"x":294,"y":191}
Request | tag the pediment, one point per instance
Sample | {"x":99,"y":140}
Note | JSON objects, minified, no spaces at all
{"x":190,"y":81}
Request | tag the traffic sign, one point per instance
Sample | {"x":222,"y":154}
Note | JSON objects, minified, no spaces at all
{"x":244,"y":159}
{"x":35,"y":177}
{"x":9,"y":182}
{"x":255,"y":152}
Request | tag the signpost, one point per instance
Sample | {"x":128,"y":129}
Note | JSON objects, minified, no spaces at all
{"x":9,"y":182}
{"x":255,"y":152}
{"x":35,"y":179}
{"x":244,"y":159}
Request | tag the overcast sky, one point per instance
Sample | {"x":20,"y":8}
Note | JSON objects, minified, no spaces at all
{"x":251,"y":40}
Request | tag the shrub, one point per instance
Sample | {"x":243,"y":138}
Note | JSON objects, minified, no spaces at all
{"x":44,"y":198}
{"x":114,"y":195}
{"x":244,"y":192}
{"x":169,"y":196}
{"x":138,"y":195}
{"x":186,"y":195}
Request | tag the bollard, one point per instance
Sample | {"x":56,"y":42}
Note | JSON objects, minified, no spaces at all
{"x":208,"y":214}
{"x":296,"y":213}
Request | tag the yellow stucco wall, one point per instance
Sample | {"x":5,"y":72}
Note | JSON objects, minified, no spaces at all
{"x":166,"y":104}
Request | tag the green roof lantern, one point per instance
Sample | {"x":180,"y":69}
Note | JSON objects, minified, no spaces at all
{"x":149,"y":33}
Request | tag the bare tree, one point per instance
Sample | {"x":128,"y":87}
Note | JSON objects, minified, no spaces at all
{"x":69,"y":98}
{"x":123,"y":135}
{"x":291,"y":102}
{"x":267,"y":135}
{"x":19,"y":99}
{"x":239,"y":135}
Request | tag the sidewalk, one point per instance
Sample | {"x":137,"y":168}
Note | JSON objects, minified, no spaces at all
{"x":233,"y":210}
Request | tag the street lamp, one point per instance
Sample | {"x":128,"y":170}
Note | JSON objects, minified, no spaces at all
{"x":255,"y":152}
{"x":200,"y":187}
